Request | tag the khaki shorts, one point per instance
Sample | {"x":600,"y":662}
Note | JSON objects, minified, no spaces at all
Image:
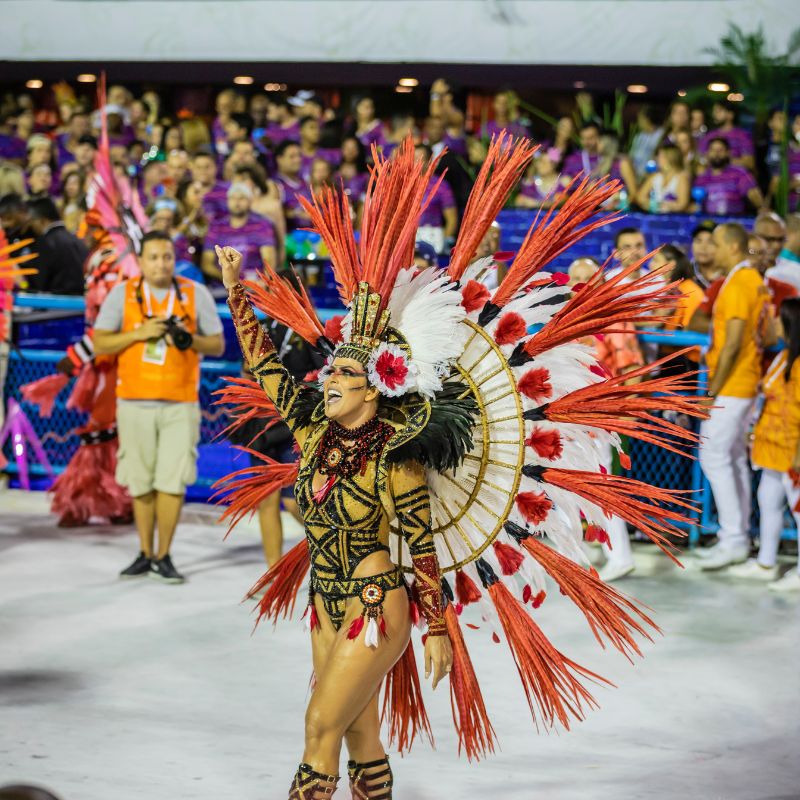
{"x":157,"y":446}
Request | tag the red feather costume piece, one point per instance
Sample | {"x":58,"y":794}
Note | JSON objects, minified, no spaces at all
{"x":246,"y":401}
{"x":403,"y":706}
{"x":550,"y":679}
{"x":282,"y":582}
{"x":245,"y":489}
{"x":475,"y":732}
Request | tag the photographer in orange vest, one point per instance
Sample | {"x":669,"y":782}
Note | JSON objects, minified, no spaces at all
{"x":159,"y":326}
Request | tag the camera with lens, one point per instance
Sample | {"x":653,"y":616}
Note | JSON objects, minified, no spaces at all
{"x":181,"y":338}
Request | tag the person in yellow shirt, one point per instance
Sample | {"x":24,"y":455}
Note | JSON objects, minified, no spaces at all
{"x":776,"y":452}
{"x":734,"y":369}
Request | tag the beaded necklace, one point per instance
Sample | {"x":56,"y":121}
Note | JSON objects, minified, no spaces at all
{"x":343,"y":452}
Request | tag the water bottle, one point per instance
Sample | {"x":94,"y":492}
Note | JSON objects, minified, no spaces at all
{"x":653,"y":205}
{"x":624,"y":200}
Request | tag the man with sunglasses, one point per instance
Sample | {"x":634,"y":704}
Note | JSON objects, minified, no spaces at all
{"x":158,"y":326}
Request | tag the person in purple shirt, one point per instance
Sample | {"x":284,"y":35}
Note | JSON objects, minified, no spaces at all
{"x":587,"y":159}
{"x":727,"y":187}
{"x":740,"y":142}
{"x":253,"y":235}
{"x":204,"y":173}
{"x":542,"y":185}
{"x":436,"y":137}
{"x":225,"y":105}
{"x":352,"y":174}
{"x":310,"y":151}
{"x":369,"y":129}
{"x":439,"y":220}
{"x":289,"y":162}
{"x":77,"y":128}
{"x":506,"y":117}
{"x":282,"y":124}
{"x":773,"y":161}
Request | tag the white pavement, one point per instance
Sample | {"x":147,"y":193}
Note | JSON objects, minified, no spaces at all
{"x":115,"y":690}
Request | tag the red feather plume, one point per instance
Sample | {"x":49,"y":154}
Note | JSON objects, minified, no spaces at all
{"x":629,"y":410}
{"x":475,"y":732}
{"x":559,"y":229}
{"x":535,"y":384}
{"x":290,"y":306}
{"x":247,"y":401}
{"x":605,"y":303}
{"x":331,"y":218}
{"x":333,"y":328}
{"x":622,"y":497}
{"x":403,"y":705}
{"x":504,"y":165}
{"x":467,"y":590}
{"x":545,"y":443}
{"x":510,"y":328}
{"x":394,"y":202}
{"x":474,"y":295}
{"x":551,"y":680}
{"x":245,"y":489}
{"x":509,"y":558}
{"x":534,"y":506}
{"x":282,"y":582}
{"x":608,"y":612}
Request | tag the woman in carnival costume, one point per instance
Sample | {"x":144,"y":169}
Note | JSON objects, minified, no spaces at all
{"x":442,"y":444}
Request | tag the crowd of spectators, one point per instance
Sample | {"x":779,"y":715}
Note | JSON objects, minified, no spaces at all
{"x":239,"y":170}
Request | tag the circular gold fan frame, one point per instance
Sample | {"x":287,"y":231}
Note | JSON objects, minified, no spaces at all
{"x":462,"y":530}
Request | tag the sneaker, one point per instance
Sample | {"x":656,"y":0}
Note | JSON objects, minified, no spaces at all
{"x":790,"y":582}
{"x":613,"y":571}
{"x":725,"y":556}
{"x":163,"y":570}
{"x":751,"y":570}
{"x":702,"y":553}
{"x":139,"y":568}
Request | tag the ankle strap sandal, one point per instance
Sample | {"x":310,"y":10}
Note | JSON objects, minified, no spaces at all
{"x":308,"y":784}
{"x":371,"y":781}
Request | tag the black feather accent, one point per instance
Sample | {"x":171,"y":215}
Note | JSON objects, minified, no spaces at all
{"x":447,"y":437}
{"x":535,"y":414}
{"x":516,"y":532}
{"x":554,"y":300}
{"x":519,"y":356}
{"x":447,"y":591}
{"x":300,"y":415}
{"x":488,"y":313}
{"x":534,"y":471}
{"x":324,"y":346}
{"x":486,"y":573}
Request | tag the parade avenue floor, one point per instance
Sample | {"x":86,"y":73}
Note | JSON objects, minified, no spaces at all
{"x":114,"y":690}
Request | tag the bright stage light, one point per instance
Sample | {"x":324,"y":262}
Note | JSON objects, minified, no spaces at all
{"x":736,"y":97}
{"x":637,"y":88}
{"x":718,"y":87}
{"x":34,"y":83}
{"x":87,"y":77}
{"x":412,"y":82}
{"x":243,"y":80}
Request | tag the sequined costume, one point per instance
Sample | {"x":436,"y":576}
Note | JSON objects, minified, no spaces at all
{"x":489,"y":439}
{"x":349,"y":522}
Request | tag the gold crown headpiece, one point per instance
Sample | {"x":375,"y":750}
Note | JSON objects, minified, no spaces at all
{"x":370,"y":325}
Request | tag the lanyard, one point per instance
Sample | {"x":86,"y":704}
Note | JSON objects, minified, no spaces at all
{"x":148,"y":302}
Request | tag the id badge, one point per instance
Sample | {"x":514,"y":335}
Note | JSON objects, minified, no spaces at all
{"x":155,"y":352}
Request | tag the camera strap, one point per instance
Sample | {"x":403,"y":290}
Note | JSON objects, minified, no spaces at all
{"x":148,"y":303}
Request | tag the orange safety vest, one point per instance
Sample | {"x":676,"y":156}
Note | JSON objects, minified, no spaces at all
{"x":175,"y":380}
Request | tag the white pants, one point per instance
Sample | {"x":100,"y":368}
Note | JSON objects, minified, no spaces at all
{"x":723,"y":457}
{"x":774,"y":491}
{"x":619,"y":551}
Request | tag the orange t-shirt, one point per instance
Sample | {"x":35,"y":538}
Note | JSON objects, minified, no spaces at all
{"x":742,"y":296}
{"x":691,"y":297}
{"x":777,"y":431}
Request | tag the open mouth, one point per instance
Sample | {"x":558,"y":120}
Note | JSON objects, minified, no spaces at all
{"x":334,"y":396}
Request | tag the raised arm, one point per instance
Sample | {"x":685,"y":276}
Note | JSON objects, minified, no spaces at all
{"x":413,"y":510}
{"x":258,"y":350}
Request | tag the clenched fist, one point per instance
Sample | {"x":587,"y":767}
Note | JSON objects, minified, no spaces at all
{"x":230,"y":263}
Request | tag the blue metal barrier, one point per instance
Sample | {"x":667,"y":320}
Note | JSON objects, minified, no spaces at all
{"x":651,"y":464}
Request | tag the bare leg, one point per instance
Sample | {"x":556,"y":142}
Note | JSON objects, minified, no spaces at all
{"x":269,"y":521}
{"x":347,"y":682}
{"x":144,"y":515}
{"x":168,"y":511}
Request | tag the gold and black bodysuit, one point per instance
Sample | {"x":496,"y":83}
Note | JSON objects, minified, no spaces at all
{"x":350,"y":522}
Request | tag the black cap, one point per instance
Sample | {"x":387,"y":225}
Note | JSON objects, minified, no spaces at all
{"x":87,"y":138}
{"x":706,"y":226}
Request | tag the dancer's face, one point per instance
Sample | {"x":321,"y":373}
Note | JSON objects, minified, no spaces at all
{"x":347,"y":390}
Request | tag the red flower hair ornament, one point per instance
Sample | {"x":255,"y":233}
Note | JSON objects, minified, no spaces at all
{"x":390,"y":371}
